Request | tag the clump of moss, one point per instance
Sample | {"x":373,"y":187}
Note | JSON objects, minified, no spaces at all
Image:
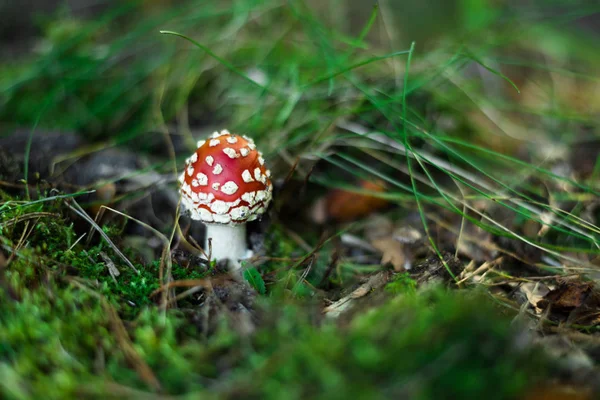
{"x":68,"y":328}
{"x":401,"y":283}
{"x":432,"y":346}
{"x":55,"y":245}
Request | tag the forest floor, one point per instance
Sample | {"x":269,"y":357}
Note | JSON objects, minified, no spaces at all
{"x":434,"y":230}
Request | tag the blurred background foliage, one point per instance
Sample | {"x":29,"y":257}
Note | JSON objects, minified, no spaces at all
{"x":491,"y":127}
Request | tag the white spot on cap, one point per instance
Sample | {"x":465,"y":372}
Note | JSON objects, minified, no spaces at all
{"x":215,"y":134}
{"x":257,"y":173}
{"x":268,"y":173}
{"x":214,"y":142}
{"x":217,"y":169}
{"x":219,"y":207}
{"x":248,"y":197}
{"x":181,"y":178}
{"x":190,"y":170}
{"x":240,"y":212}
{"x":229,"y":188}
{"x":202,"y":179}
{"x":261,"y":160}
{"x":216,"y":185}
{"x":205,"y":215}
{"x":230,"y":152}
{"x":193,"y":158}
{"x":244,"y":151}
{"x":261,"y":195}
{"x":225,"y":132}
{"x":205,"y":198}
{"x":247,"y":176}
{"x":209,"y":160}
{"x":223,"y":219}
{"x":194,"y":183}
{"x":232,"y":139}
{"x":251,"y":145}
{"x":195,"y":197}
{"x":200,"y":143}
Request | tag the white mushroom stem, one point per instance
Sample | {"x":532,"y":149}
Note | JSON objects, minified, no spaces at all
{"x":227,"y":242}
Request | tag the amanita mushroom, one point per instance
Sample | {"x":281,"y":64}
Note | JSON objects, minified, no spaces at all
{"x":226,"y":184}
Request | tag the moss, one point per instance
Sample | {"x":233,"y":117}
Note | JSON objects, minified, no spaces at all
{"x":55,"y":246}
{"x":401,"y":283}
{"x":60,"y":339}
{"x":434,"y":346}
{"x":50,"y":340}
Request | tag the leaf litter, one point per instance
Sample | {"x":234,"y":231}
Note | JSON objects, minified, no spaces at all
{"x":381,"y":251}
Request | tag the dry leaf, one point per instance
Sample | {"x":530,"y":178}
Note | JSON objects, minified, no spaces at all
{"x":392,"y":252}
{"x":535,"y":292}
{"x":342,"y":205}
{"x":559,"y":392}
{"x":567,"y":296}
{"x":105,"y":195}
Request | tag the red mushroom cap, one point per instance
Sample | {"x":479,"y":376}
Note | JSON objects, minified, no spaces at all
{"x":225,"y":181}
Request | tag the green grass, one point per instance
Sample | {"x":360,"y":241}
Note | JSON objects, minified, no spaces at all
{"x":445,"y":123}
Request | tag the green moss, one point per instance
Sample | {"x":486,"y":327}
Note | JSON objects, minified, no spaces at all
{"x":401,"y":283}
{"x":55,"y":245}
{"x":433,"y":346}
{"x":50,"y":339}
{"x":59,"y":339}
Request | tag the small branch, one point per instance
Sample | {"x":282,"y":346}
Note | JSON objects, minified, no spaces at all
{"x":26,"y":217}
{"x":112,"y":268}
{"x":80,"y":211}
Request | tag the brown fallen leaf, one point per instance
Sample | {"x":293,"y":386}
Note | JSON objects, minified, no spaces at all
{"x":392,"y":252}
{"x":535,"y":293}
{"x":105,"y":195}
{"x":558,"y":392}
{"x":394,"y":242}
{"x":343,"y":205}
{"x":567,"y":296}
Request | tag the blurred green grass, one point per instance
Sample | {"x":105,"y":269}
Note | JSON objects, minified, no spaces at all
{"x":324,"y":83}
{"x":279,"y":72}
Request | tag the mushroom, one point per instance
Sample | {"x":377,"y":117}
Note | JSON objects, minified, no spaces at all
{"x":226,"y":184}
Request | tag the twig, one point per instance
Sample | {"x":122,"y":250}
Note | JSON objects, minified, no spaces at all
{"x":185,"y":294}
{"x":206,"y":283}
{"x":198,"y":247}
{"x":19,"y":244}
{"x":79,"y":211}
{"x":77,"y":241}
{"x":112,"y":268}
{"x":29,"y":216}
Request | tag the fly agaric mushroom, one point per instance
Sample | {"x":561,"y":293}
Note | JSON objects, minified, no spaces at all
{"x":226,"y":184}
